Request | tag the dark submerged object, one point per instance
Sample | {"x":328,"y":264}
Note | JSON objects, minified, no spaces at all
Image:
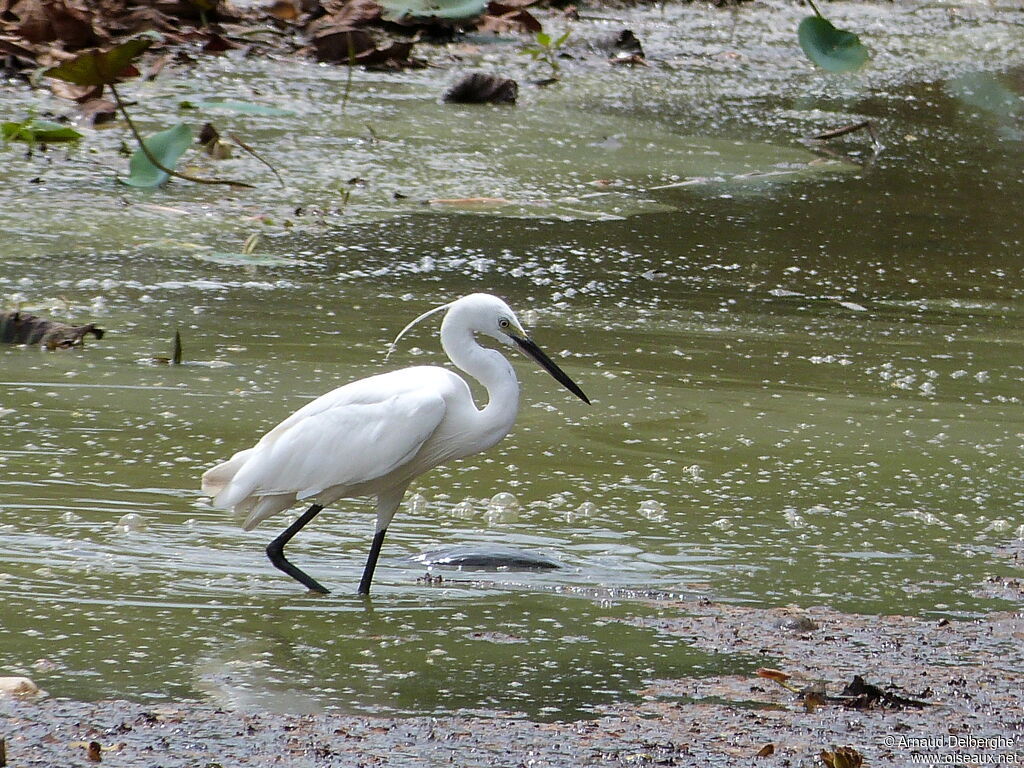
{"x":485,"y":557}
{"x":21,"y":328}
{"x":625,"y":45}
{"x":478,"y":88}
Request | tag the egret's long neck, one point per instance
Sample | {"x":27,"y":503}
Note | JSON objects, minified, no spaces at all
{"x":490,"y":368}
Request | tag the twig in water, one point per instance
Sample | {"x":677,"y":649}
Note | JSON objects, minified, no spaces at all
{"x":348,"y":76}
{"x":255,"y":154}
{"x":835,"y":133}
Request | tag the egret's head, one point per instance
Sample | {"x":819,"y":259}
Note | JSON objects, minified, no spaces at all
{"x":489,"y":315}
{"x":483,"y":313}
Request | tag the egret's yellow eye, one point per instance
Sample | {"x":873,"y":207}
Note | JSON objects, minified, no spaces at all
{"x":503,"y":323}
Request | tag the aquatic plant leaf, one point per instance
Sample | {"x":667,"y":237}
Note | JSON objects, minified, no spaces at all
{"x":242,"y":259}
{"x":38,"y":131}
{"x":102,"y":67}
{"x":242,"y":107}
{"x":433,"y":9}
{"x":835,"y":50}
{"x":167,"y":147}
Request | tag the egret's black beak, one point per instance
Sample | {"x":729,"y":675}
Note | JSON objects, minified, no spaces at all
{"x":526,"y":344}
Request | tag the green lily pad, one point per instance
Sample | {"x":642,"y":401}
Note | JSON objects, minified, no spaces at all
{"x":245,"y":259}
{"x":38,"y":131}
{"x":102,"y":67}
{"x":433,"y":9}
{"x":167,"y":147}
{"x":835,"y":50}
{"x":243,"y":107}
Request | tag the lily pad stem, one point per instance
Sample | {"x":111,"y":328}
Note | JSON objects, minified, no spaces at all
{"x":156,"y":163}
{"x":815,"y":9}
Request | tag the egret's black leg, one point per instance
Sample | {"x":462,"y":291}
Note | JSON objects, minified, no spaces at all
{"x":275,"y":551}
{"x":371,"y":562}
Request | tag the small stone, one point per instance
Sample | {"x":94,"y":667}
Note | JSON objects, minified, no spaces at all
{"x":17,"y":686}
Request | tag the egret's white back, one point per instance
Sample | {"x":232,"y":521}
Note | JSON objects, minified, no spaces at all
{"x":373,"y":436}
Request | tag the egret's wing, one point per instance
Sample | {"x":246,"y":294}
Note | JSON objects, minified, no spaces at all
{"x":343,"y":442}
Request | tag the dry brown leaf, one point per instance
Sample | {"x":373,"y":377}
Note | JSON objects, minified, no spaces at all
{"x":97,"y":111}
{"x":773,"y":674}
{"x":506,"y":17}
{"x":67,"y":21}
{"x":285,"y":10}
{"x":79,"y":93}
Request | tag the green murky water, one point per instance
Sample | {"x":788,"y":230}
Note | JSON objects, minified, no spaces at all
{"x":806,"y":373}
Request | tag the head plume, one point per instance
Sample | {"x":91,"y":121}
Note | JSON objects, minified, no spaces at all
{"x":428,"y":313}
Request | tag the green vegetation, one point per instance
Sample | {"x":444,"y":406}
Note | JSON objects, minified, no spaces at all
{"x":547,"y":50}
{"x":153,"y":164}
{"x":834,"y":50}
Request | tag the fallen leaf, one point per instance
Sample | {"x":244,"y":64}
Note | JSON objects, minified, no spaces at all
{"x":341,"y":43}
{"x":79,"y":93}
{"x":503,"y":17}
{"x":23,"y":328}
{"x":67,"y":21}
{"x":842,"y":757}
{"x":773,"y":674}
{"x":218,"y":44}
{"x":96,"y":112}
{"x":285,"y":10}
{"x":351,"y":14}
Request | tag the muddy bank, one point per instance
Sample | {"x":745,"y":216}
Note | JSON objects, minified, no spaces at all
{"x":968,"y":673}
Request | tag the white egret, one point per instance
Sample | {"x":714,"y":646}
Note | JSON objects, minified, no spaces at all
{"x":374,"y":436}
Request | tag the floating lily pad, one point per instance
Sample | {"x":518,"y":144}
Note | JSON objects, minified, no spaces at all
{"x":600,"y":206}
{"x":245,"y":259}
{"x":38,"y":132}
{"x":453,"y":10}
{"x":167,"y":147}
{"x":835,"y":50}
{"x":243,"y":107}
{"x":985,"y":91}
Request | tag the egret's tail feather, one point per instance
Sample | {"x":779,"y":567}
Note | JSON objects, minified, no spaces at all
{"x":218,"y":478}
{"x":266,"y":506}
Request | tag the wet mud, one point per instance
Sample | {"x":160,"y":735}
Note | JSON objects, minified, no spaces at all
{"x":965,"y":672}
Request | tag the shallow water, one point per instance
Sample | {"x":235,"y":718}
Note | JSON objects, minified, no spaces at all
{"x":806,"y":375}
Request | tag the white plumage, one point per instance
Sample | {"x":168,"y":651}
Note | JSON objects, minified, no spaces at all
{"x":373,"y":436}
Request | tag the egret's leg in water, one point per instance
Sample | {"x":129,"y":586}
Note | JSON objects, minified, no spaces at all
{"x":275,"y":551}
{"x":371,"y":561}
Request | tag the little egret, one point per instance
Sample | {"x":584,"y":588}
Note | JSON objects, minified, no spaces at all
{"x":374,"y":436}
